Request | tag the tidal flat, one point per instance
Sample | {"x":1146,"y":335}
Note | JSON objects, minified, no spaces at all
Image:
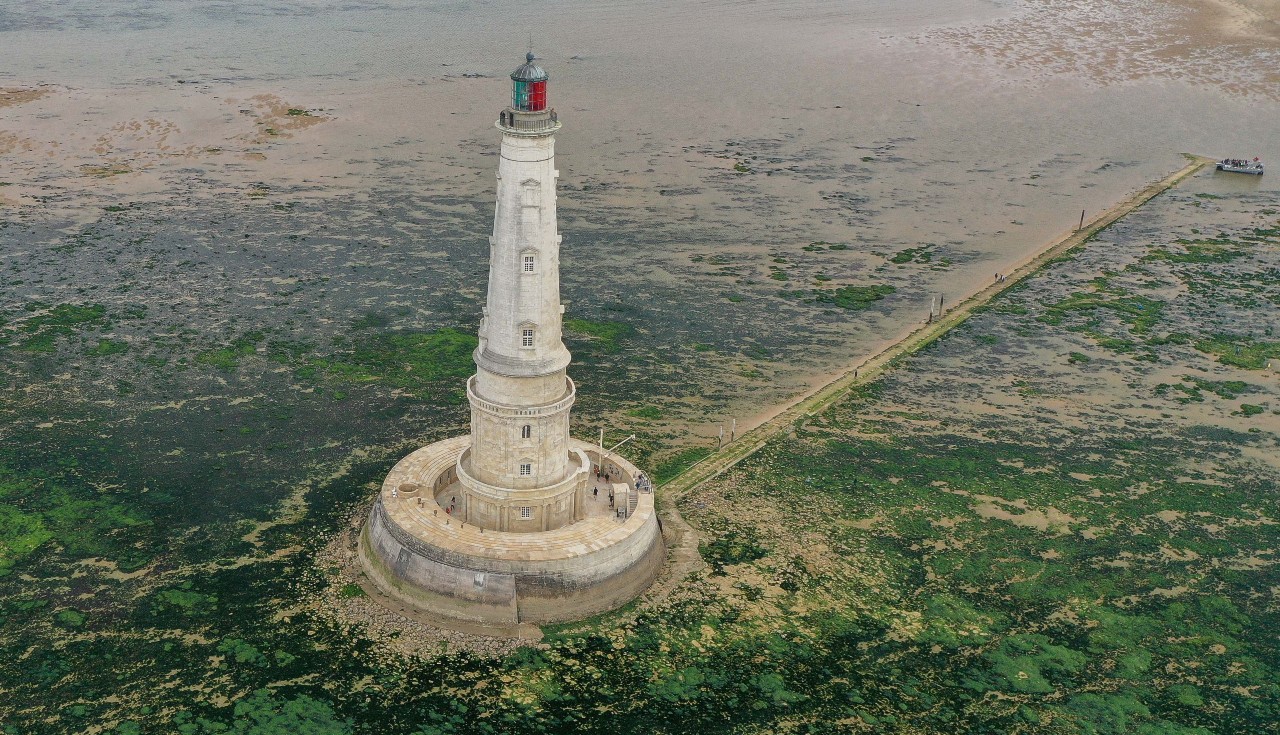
{"x":241,"y":266}
{"x":1059,"y":518}
{"x":726,"y":170}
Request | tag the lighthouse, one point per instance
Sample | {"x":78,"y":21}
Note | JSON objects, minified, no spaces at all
{"x":520,"y":473}
{"x":513,"y":522}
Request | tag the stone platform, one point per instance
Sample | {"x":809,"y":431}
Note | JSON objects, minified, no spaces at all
{"x":417,"y":551}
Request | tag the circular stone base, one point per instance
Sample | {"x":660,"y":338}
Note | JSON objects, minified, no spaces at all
{"x":416,"y":552}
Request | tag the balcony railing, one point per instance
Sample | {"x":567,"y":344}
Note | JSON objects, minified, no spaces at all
{"x":528,"y":122}
{"x":546,"y":409}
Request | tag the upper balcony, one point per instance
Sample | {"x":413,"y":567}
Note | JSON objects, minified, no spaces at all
{"x":520,"y":122}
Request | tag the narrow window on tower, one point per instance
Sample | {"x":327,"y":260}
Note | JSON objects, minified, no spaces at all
{"x":526,"y":512}
{"x":531,"y":193}
{"x":526,"y":337}
{"x":526,"y":469}
{"x":528,"y":264}
{"x":526,"y":431}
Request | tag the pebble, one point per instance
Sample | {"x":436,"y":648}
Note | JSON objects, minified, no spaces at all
{"x":392,"y":630}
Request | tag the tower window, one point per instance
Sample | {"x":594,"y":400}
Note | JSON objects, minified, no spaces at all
{"x":531,"y":194}
{"x":526,"y":431}
{"x":528,"y":264}
{"x":526,"y":337}
{"x":526,"y":511}
{"x":526,"y":469}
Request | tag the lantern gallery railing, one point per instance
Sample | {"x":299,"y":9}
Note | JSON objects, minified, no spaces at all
{"x":526,"y":122}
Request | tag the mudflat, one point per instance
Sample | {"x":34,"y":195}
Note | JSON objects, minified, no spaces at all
{"x":242,"y":257}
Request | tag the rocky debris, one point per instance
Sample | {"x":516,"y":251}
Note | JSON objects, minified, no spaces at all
{"x":401,"y":634}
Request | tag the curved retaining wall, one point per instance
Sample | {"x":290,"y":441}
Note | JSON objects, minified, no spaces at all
{"x":456,"y":571}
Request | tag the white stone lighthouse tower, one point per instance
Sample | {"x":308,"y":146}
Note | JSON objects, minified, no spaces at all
{"x":516,"y":522}
{"x":519,"y":473}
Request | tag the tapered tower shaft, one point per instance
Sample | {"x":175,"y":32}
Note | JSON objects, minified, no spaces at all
{"x":521,"y":395}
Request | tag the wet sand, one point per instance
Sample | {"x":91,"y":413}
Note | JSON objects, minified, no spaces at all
{"x":760,"y":428}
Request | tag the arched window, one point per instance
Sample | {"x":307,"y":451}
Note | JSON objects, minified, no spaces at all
{"x":526,"y":431}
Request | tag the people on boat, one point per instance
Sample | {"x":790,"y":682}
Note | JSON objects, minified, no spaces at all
{"x":1242,"y":163}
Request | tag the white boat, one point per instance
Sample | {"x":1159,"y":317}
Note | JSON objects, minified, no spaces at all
{"x":1241,"y":166}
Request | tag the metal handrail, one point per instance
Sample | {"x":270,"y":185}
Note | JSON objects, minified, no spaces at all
{"x":527,"y":123}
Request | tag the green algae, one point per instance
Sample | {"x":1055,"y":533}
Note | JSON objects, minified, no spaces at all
{"x":1240,"y":351}
{"x":69,"y":618}
{"x":108,"y":347}
{"x":854,"y":298}
{"x":418,"y":362}
{"x":679,"y":462}
{"x":921,"y":254}
{"x":42,"y":331}
{"x":606,"y":336}
{"x":1140,"y":313}
{"x":984,"y":573}
{"x":733,"y":546}
{"x":228,"y":358}
{"x":44,"y":505}
{"x":858,"y":594}
{"x":20,"y":534}
{"x":265,"y":712}
{"x":1227,"y":389}
{"x":1201,"y":251}
{"x":351,"y":590}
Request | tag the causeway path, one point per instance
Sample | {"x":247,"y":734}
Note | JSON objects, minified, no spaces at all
{"x":681,"y":537}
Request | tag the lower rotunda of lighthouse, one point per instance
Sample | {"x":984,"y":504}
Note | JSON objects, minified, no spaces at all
{"x":418,"y":548}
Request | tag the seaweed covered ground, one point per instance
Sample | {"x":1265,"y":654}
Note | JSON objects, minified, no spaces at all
{"x":1060,"y":518}
{"x":241,"y":269}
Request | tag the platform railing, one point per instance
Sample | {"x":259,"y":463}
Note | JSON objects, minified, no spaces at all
{"x":528,"y":122}
{"x":503,"y":410}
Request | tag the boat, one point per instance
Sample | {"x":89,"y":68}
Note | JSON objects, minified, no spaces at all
{"x":1241,"y":166}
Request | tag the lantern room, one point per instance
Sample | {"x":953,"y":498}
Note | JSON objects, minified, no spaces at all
{"x":529,"y":87}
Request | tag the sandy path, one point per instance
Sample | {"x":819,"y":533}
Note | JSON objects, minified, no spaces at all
{"x":1254,"y":19}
